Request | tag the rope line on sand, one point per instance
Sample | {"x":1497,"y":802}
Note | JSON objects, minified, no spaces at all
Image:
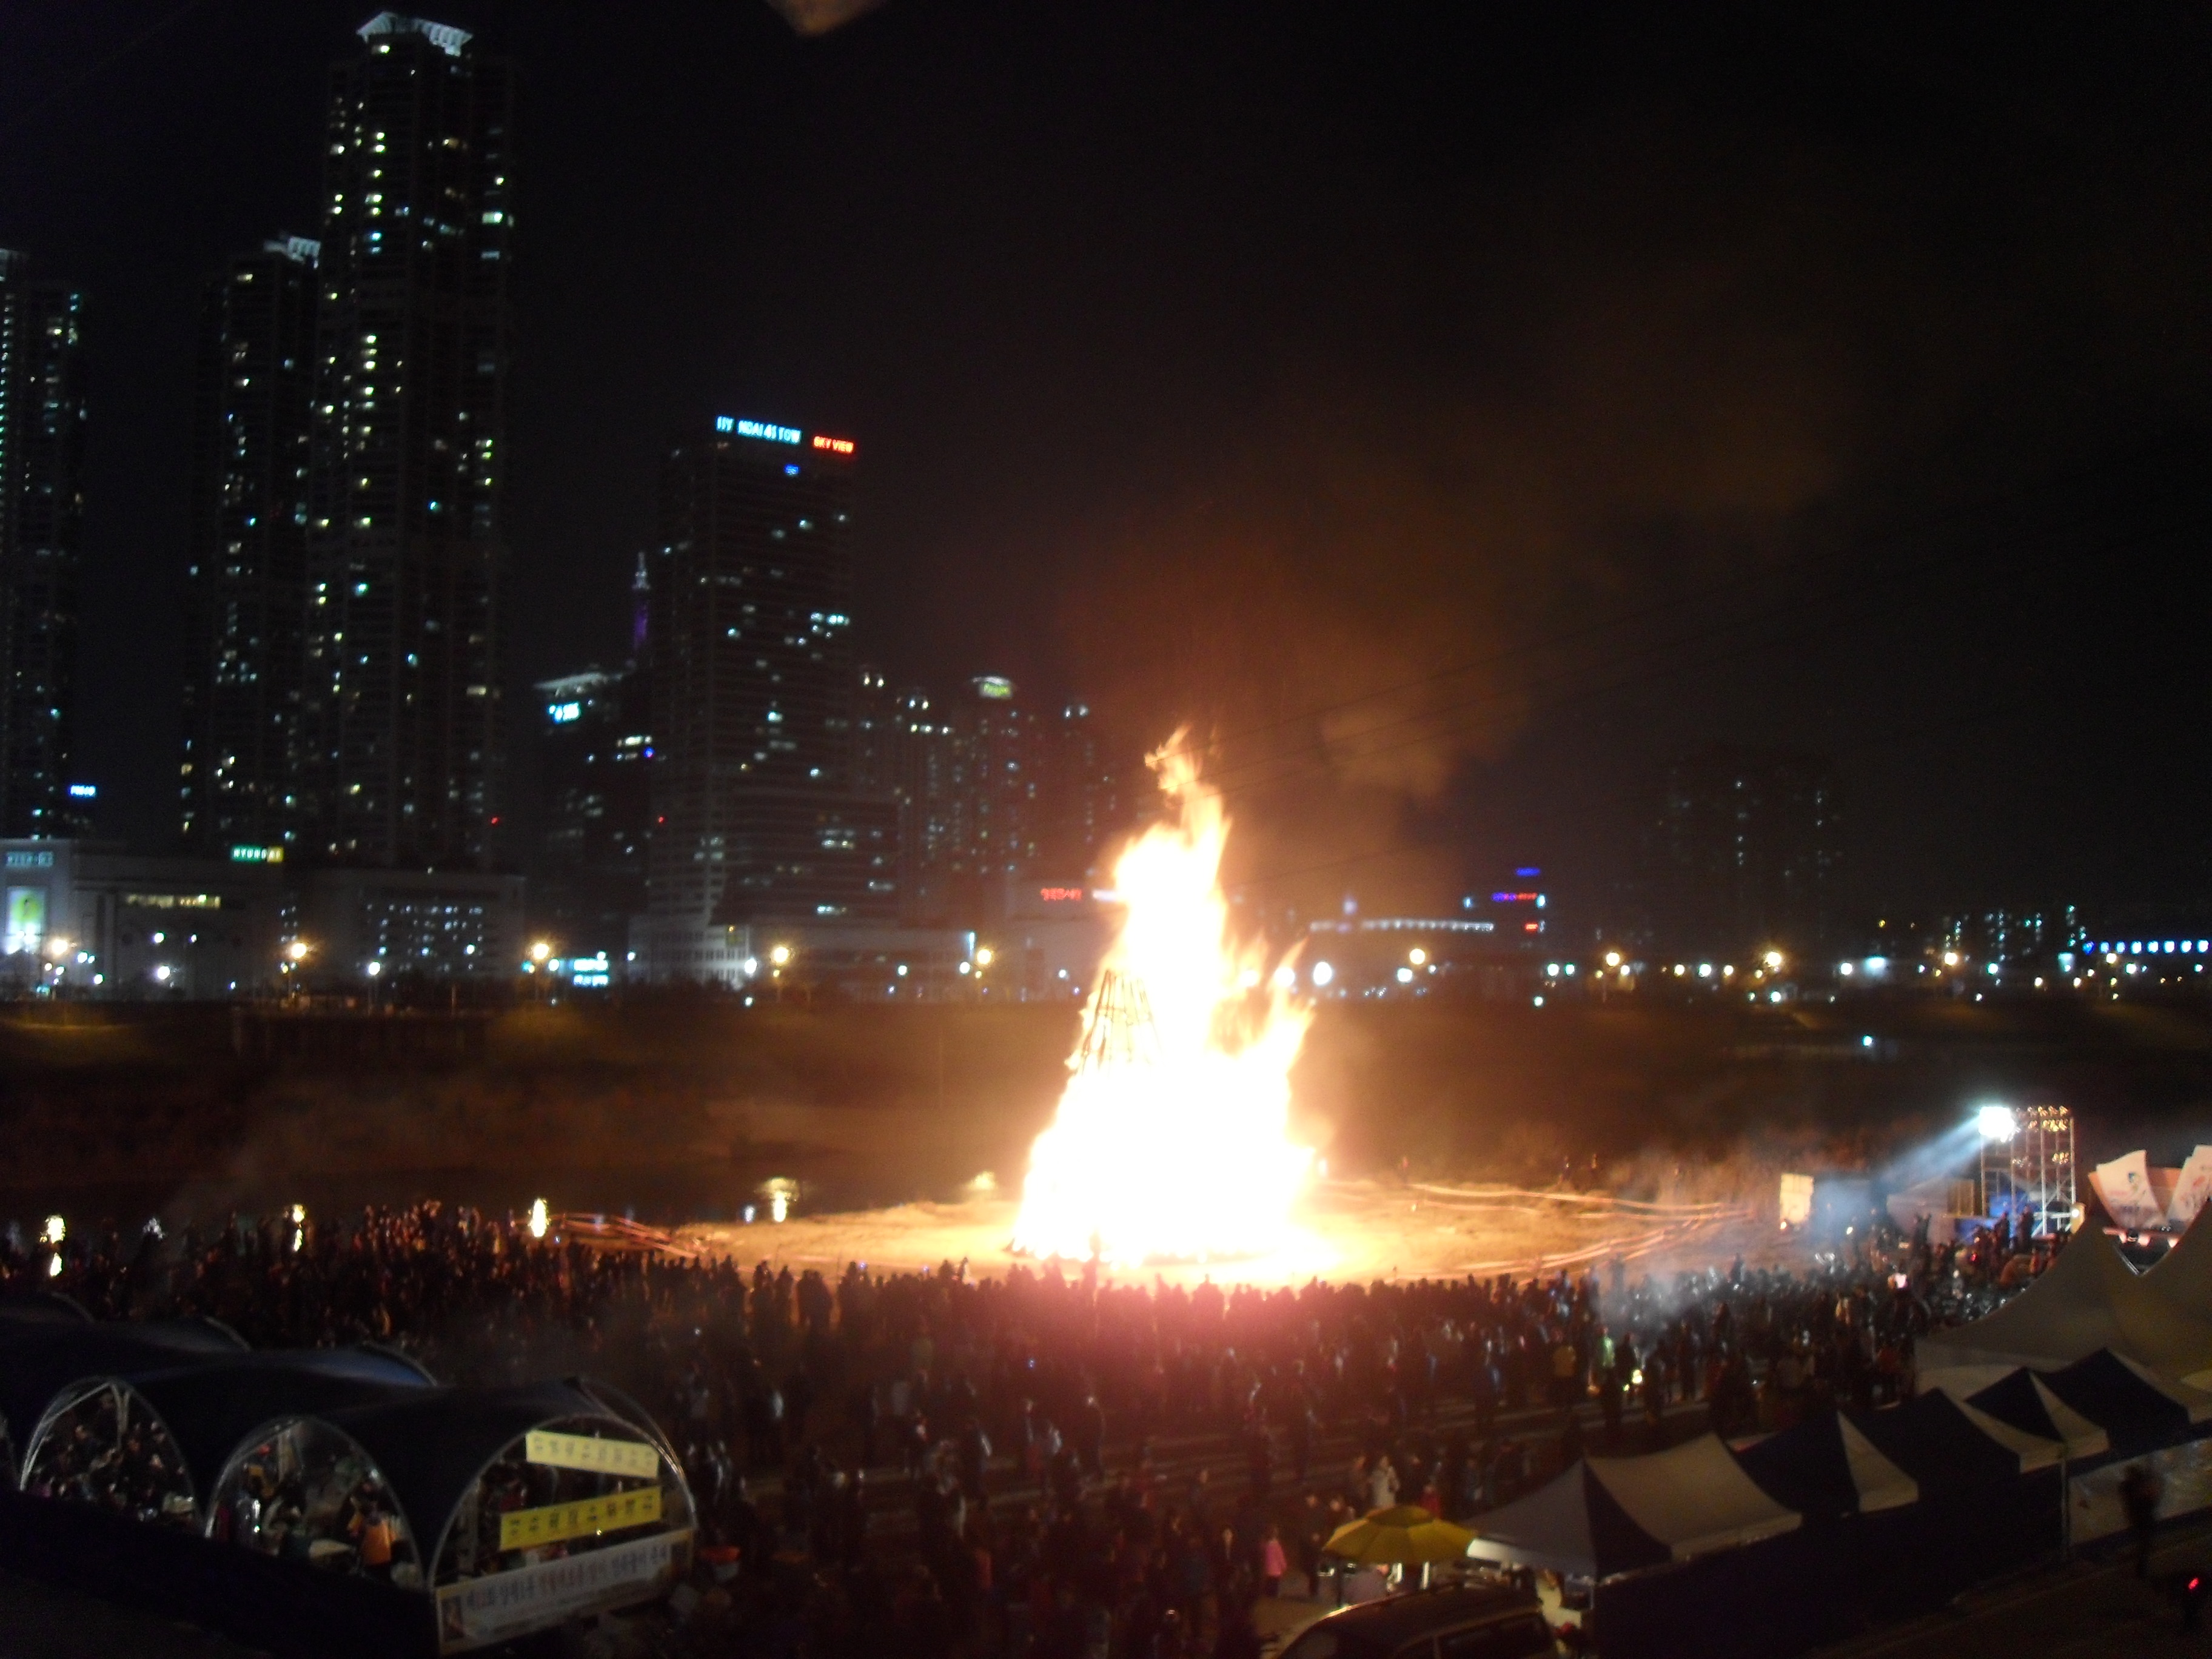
{"x":1484,"y":1196}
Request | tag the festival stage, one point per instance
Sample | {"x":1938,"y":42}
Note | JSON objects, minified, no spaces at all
{"x":1362,"y":1230}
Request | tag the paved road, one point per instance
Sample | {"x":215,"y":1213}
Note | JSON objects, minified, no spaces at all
{"x":2095,"y":1606}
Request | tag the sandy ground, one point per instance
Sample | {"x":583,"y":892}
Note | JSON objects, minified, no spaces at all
{"x":1362,"y":1230}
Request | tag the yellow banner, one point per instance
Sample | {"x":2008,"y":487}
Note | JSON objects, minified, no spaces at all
{"x":522,"y":1529}
{"x":592,"y":1455}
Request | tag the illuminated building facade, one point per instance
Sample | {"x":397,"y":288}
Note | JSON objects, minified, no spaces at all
{"x":42,"y":419}
{"x":1743,"y":853}
{"x":756,"y":813}
{"x":993,"y":797}
{"x":245,"y":647}
{"x":595,"y":751}
{"x":408,"y":460}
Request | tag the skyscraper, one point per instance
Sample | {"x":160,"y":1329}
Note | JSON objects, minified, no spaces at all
{"x":244,"y":651}
{"x":1743,"y":853}
{"x":404,"y":544}
{"x":595,"y":752}
{"x":756,"y":816}
{"x":41,"y":529}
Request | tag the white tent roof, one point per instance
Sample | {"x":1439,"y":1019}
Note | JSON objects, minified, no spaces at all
{"x":1695,"y":1497}
{"x":2183,"y":1277}
{"x":2189,"y":1395}
{"x":1881,"y":1484}
{"x":2081,"y":1438}
{"x":1549,"y":1528}
{"x":2033,"y":1451}
{"x":1690,"y":1500}
{"x":2089,"y":1298}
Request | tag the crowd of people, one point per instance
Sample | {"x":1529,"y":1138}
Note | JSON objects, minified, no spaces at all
{"x":1048,"y":1462}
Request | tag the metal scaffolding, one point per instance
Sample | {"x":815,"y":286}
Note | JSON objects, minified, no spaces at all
{"x":2029,"y":1173}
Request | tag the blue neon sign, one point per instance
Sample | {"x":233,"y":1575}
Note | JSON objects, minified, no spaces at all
{"x":774,"y":434}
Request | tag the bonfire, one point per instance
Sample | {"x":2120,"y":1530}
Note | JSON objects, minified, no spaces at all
{"x":1172,"y":1139}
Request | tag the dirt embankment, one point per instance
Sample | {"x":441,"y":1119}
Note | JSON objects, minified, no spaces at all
{"x":925,"y":1096}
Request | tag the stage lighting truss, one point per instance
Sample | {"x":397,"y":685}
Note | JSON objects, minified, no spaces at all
{"x":2030,"y":1173}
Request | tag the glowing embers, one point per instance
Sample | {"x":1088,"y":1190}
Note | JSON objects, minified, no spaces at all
{"x":1172,"y":1141}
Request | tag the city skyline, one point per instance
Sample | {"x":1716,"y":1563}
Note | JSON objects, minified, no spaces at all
{"x":1169,"y":530}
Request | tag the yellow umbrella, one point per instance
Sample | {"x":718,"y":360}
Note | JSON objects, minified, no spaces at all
{"x":1406,"y":1534}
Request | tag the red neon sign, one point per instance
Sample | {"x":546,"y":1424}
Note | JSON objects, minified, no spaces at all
{"x":835,"y":446}
{"x":1060,"y":895}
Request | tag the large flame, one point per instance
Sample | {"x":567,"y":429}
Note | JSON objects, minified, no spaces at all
{"x":1175,"y":1143}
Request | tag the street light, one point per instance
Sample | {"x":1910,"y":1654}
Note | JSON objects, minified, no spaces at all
{"x":983,"y":957}
{"x":540,"y":951}
{"x":1773,"y":960}
{"x":780,"y":955}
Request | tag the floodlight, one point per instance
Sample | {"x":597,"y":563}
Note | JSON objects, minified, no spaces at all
{"x":1996,"y":1123}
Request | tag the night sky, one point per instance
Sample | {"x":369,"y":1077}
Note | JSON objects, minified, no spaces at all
{"x":1455,"y":409}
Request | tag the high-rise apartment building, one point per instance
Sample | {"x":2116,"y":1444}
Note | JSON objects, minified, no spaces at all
{"x":42,"y":411}
{"x":245,"y":649}
{"x":1743,"y":853}
{"x":595,"y":751}
{"x":404,"y":535}
{"x":756,"y":816}
{"x":991,"y":794}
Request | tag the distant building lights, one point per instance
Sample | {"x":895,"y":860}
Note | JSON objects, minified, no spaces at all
{"x":561,"y":713}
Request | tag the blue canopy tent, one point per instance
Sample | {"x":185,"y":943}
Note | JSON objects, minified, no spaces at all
{"x":1989,"y":1498}
{"x":1688,"y":1554}
{"x":465,"y":1462}
{"x":1825,"y":1468}
{"x":44,"y":1350}
{"x":2023,"y":1401}
{"x":611,"y":1521}
{"x":2132,"y":1406}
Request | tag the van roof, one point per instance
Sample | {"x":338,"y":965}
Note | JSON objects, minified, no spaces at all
{"x":1383,"y":1625}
